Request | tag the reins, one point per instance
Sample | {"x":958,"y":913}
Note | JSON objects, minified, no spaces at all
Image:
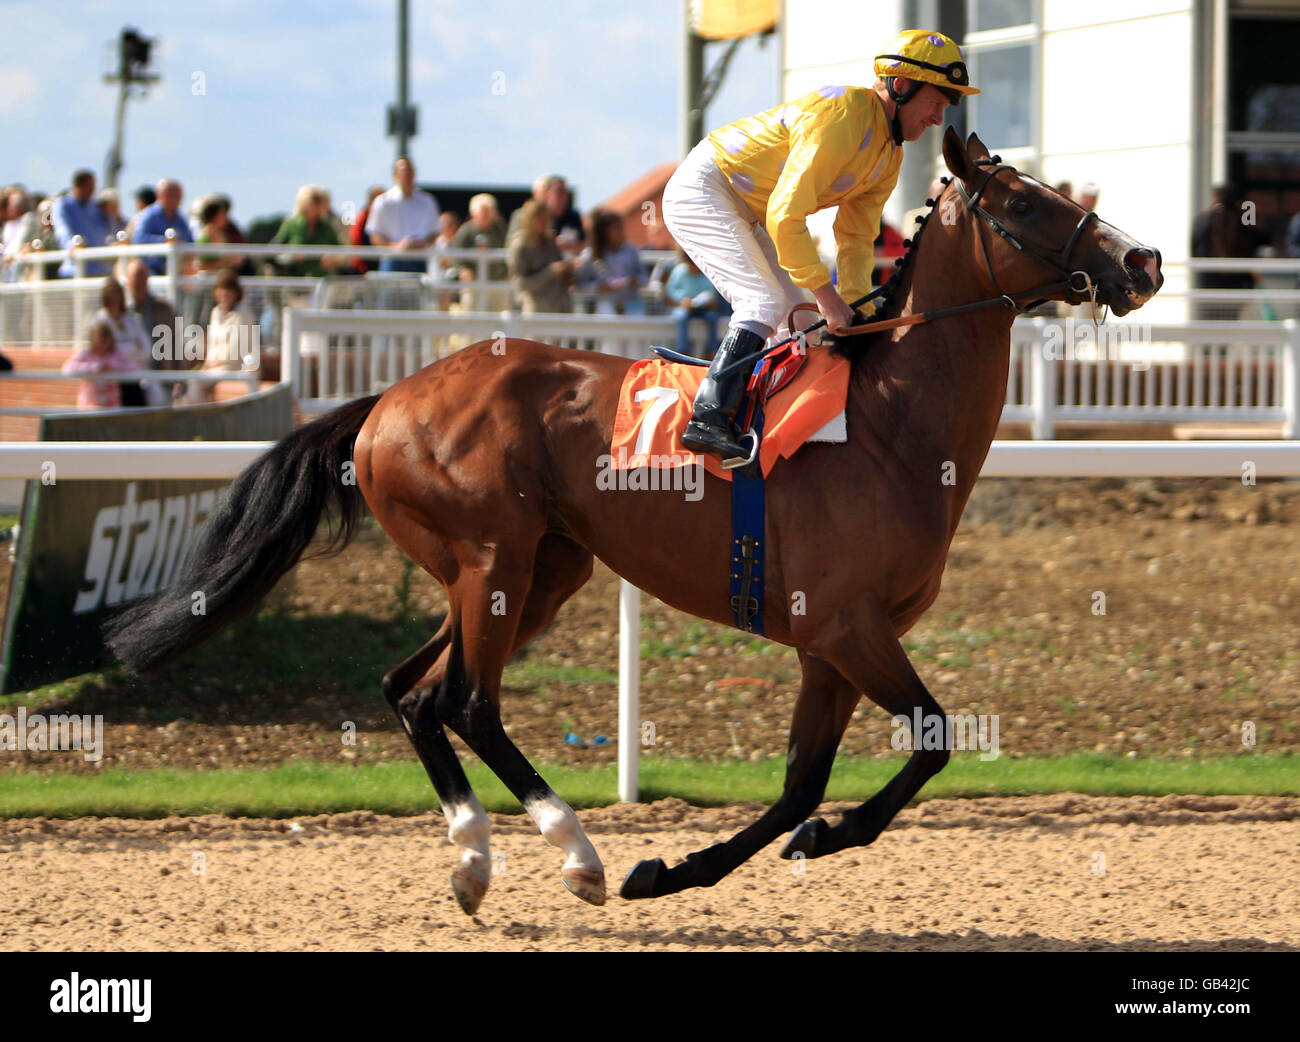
{"x":1075,"y":281}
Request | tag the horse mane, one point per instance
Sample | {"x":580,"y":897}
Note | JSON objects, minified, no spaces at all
{"x":859,"y":346}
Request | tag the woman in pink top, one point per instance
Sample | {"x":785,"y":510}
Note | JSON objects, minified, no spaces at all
{"x":102,"y":356}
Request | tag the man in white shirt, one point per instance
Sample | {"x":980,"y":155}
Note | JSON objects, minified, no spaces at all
{"x":403,"y":217}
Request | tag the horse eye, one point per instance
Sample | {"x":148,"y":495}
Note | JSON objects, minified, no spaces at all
{"x":1020,"y":208}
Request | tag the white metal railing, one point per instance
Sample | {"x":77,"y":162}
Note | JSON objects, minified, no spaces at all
{"x":347,"y":354}
{"x":1061,"y":371}
{"x":1219,"y":372}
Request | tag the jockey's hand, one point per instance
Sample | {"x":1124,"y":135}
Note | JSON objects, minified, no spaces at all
{"x":838,"y":314}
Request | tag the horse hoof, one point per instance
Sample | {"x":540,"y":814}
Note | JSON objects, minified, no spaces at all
{"x":586,"y":883}
{"x":469,"y":890}
{"x":643,"y":879}
{"x":805,"y":839}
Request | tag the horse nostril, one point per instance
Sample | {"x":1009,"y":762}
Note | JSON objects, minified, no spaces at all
{"x":1143,"y":260}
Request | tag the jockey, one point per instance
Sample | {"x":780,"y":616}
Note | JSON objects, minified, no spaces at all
{"x":738,"y":204}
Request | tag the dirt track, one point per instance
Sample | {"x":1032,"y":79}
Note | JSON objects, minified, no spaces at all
{"x":1046,"y":873}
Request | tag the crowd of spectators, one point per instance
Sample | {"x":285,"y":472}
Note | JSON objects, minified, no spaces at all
{"x":552,"y":251}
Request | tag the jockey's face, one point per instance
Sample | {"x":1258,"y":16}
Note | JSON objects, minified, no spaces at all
{"x":922,"y":112}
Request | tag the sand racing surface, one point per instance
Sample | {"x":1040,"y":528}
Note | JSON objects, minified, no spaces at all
{"x":1044,"y":873}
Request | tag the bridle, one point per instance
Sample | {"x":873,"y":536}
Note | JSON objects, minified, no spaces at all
{"x":1076,"y":281}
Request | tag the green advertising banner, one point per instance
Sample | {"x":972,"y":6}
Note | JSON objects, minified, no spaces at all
{"x":88,"y":547}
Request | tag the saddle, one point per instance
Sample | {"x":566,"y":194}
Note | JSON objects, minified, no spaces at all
{"x":794,"y":396}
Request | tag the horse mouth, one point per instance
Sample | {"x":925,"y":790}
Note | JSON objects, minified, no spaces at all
{"x":1121,"y":298}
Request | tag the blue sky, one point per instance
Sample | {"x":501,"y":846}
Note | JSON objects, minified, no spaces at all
{"x":296,"y":92}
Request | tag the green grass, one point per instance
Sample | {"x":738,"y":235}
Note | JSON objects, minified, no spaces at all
{"x":401,"y":788}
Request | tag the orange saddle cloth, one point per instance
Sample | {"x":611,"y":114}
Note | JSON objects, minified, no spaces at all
{"x":657,"y":398}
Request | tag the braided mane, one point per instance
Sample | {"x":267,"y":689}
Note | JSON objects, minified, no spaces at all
{"x":854,"y":347}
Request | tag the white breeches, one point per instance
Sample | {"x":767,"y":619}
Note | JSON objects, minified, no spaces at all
{"x":717,"y":230}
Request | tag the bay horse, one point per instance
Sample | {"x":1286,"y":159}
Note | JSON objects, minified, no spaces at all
{"x":482,"y":467}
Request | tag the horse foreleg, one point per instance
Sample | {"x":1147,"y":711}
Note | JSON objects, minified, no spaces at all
{"x":822,"y":711}
{"x":411,"y":689}
{"x":880,"y":665}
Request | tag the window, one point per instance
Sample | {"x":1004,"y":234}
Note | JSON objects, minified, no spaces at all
{"x":1002,"y":52}
{"x":1263,"y":140}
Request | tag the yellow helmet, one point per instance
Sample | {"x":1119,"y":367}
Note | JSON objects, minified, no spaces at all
{"x":925,"y":57}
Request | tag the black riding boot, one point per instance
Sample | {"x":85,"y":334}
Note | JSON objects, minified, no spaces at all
{"x":719,"y":397}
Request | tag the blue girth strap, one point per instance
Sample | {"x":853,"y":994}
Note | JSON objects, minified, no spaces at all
{"x":747,"y":538}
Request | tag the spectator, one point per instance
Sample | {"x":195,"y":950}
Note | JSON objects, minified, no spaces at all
{"x":539,"y":195}
{"x":43,"y":240}
{"x":405,"y":218}
{"x":889,"y":246}
{"x":483,"y":231}
{"x":156,"y":316}
{"x":612,"y":267}
{"x":101,"y":356}
{"x":358,"y":235}
{"x":20,"y":229}
{"x":215,"y":225}
{"x":448,"y":225}
{"x":566,"y":223}
{"x":78,"y":216}
{"x":1087,"y":197}
{"x":129,"y":335}
{"x":693,"y":297}
{"x":145,"y":197}
{"x":1221,"y":231}
{"x":542,"y":276}
{"x":232,"y":336}
{"x":1066,"y":188}
{"x":155,"y":221}
{"x":110,"y":205}
{"x":309,"y":225}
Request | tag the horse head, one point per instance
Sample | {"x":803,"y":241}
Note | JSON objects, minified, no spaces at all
{"x":1031,"y":238}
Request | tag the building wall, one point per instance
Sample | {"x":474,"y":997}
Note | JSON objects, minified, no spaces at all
{"x":1117,"y":108}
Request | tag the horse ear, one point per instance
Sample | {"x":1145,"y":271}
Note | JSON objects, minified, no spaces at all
{"x":976,"y":148}
{"x":954,"y":154}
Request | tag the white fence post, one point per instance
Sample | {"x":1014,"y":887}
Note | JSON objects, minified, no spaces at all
{"x":1042,"y":386}
{"x":38,"y":303}
{"x":1290,"y":375}
{"x":290,"y":360}
{"x":629,"y":691}
{"x":174,"y":271}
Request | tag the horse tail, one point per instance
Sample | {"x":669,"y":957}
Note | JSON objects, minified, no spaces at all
{"x":257,"y":533}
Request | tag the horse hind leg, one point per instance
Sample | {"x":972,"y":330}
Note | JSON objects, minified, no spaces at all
{"x":499,"y":612}
{"x":560,"y":568}
{"x":411,"y":689}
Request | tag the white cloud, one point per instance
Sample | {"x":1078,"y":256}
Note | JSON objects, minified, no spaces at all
{"x":17,"y":87}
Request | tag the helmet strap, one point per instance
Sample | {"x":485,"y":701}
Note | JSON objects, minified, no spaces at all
{"x":901,"y":98}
